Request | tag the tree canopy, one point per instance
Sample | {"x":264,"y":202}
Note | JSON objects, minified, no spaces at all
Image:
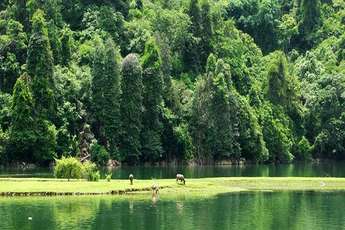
{"x":156,"y":81}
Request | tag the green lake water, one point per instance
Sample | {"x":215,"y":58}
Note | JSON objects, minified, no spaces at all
{"x":257,"y":210}
{"x":331,"y":169}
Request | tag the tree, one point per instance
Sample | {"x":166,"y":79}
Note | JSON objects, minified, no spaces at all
{"x":207,"y":31}
{"x":283,"y":88}
{"x":131,"y":109}
{"x":13,"y":47}
{"x":310,"y":18}
{"x":22,"y":133}
{"x":153,"y":102}
{"x":105,"y":93}
{"x":4,"y":138}
{"x":214,"y":124}
{"x":259,"y":18}
{"x":277,"y":133}
{"x":18,"y":11}
{"x":192,"y":50}
{"x":139,"y":4}
{"x":251,"y":139}
{"x":40,"y":67}
{"x":52,"y":9}
{"x":31,"y":139}
{"x":66,"y":43}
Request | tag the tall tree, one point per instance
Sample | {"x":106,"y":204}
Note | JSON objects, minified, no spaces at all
{"x":18,"y":10}
{"x":52,"y":8}
{"x":32,"y":139}
{"x":214,"y":124}
{"x":22,"y":132}
{"x":153,"y":102}
{"x":40,"y":67}
{"x":283,"y":90}
{"x":105,"y":89}
{"x":131,"y":109}
{"x":282,"y":87}
{"x":66,"y":43}
{"x":207,"y":31}
{"x":194,"y":13}
{"x":191,"y":54}
{"x":309,"y":20}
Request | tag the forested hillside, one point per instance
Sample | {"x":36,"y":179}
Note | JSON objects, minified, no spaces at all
{"x":163,"y":80}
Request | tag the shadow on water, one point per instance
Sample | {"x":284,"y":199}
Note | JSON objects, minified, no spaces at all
{"x":256,"y":210}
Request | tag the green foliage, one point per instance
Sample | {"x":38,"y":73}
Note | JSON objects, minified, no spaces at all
{"x":69,"y":168}
{"x":66,"y":49}
{"x":99,"y":154}
{"x":176,"y":102}
{"x":4,"y":138}
{"x":304,"y":150}
{"x":214,"y":118}
{"x":52,"y":8}
{"x":279,"y":88}
{"x":90,"y":171}
{"x":277,"y":134}
{"x":108,"y":177}
{"x":251,"y":139}
{"x":240,"y":52}
{"x":131,"y":109}
{"x":22,"y":132}
{"x":184,"y":140}
{"x":72,"y":168}
{"x":105,"y":93}
{"x":152,"y":102}
{"x":327,"y":110}
{"x":310,"y":17}
{"x":260,"y":19}
{"x":5,"y":110}
{"x":40,"y":67}
{"x":13,"y":44}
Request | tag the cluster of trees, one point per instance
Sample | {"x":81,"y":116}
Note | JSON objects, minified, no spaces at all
{"x":192,"y":80}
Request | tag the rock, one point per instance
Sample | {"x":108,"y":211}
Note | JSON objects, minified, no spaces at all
{"x":113,"y":163}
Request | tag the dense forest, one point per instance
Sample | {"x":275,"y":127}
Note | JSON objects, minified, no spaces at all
{"x":162,"y":80}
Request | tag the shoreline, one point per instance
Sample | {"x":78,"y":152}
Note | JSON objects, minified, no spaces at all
{"x":10,"y":187}
{"x":176,"y":163}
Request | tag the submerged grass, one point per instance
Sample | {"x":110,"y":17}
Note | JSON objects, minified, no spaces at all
{"x":203,"y":187}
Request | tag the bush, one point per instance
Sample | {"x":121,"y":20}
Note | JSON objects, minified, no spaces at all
{"x":3,"y":143}
{"x":69,"y":168}
{"x":99,"y":154}
{"x":304,"y":150}
{"x":90,"y":171}
{"x":108,"y":177}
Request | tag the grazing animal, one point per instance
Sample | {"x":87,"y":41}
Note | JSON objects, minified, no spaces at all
{"x":180,"y":178}
{"x":131,"y":177}
{"x":155,"y":189}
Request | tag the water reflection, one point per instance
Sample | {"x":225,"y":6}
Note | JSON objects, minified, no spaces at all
{"x":332,"y":169}
{"x":283,"y":210}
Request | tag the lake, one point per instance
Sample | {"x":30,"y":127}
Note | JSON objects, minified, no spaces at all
{"x":256,"y":210}
{"x":331,"y":169}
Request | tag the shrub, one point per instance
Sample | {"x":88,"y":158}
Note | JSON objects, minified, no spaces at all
{"x":69,"y":168}
{"x":99,"y":154}
{"x":90,"y":171}
{"x":304,"y":150}
{"x":108,"y":177}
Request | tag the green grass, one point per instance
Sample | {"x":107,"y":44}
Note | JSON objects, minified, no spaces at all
{"x":194,"y":187}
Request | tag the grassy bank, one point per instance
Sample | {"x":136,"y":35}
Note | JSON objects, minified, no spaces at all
{"x":199,"y":187}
